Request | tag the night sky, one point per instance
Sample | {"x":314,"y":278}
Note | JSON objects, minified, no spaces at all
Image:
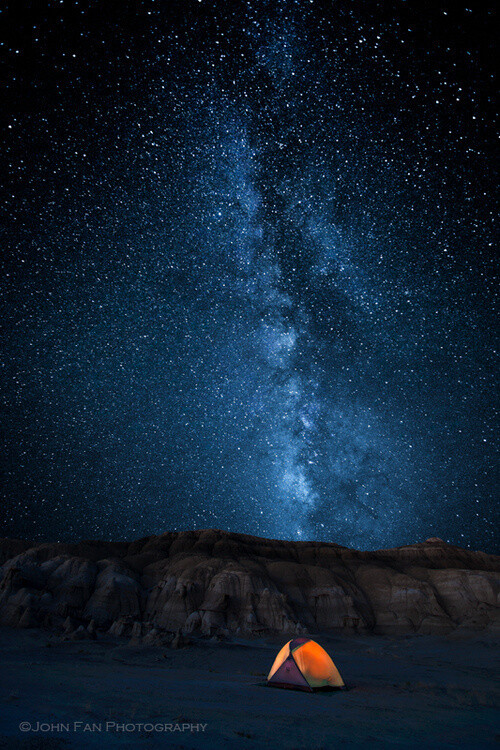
{"x":247,"y":277}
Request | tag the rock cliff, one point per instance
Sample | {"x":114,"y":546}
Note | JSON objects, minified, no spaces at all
{"x":217,"y":583}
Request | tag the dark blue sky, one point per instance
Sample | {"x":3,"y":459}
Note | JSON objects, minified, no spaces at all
{"x":249,"y":280}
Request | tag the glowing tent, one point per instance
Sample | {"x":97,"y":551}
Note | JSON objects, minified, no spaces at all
{"x":303,"y":665}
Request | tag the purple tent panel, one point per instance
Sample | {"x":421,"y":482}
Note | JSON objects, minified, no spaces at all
{"x":298,"y":642}
{"x":289,"y":675}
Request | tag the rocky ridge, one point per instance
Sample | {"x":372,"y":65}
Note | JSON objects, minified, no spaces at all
{"x":219,"y":583}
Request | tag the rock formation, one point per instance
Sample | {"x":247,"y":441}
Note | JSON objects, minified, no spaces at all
{"x":217,"y":583}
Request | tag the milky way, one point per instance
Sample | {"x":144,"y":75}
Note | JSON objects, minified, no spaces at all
{"x":249,"y":280}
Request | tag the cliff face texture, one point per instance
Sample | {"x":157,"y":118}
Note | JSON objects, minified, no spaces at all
{"x":218,"y":583}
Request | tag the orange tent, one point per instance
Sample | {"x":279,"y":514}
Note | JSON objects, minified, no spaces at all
{"x":302,"y":664}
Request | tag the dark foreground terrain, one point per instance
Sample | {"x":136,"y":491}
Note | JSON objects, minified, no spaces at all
{"x":166,"y":642}
{"x":404,"y":692}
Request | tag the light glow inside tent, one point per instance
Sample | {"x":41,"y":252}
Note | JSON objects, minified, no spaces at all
{"x":304,"y":665}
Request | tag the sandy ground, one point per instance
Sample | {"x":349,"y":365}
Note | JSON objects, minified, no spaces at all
{"x":413,"y":692}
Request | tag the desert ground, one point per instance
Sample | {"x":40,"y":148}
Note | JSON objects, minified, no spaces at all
{"x":403,"y":692}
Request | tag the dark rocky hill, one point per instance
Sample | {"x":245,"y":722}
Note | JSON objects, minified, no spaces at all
{"x":215,"y":582}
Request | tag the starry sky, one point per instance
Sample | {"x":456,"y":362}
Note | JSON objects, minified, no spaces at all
{"x":247,"y":278}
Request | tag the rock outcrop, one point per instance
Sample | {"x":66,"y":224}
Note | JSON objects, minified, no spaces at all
{"x":217,"y":583}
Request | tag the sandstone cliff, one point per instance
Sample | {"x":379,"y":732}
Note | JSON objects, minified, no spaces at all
{"x":215,"y":582}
